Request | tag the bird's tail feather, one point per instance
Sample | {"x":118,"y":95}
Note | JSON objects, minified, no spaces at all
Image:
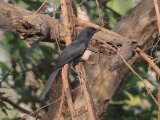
{"x":48,"y":84}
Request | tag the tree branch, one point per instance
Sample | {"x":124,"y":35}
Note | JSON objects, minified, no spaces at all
{"x":5,"y":99}
{"x":37,"y":27}
{"x":29,"y":26}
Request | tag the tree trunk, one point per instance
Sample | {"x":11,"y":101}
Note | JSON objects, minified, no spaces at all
{"x":140,"y":24}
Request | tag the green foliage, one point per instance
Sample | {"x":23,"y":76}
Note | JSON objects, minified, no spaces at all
{"x":131,"y":100}
{"x":121,"y":7}
{"x":38,"y":58}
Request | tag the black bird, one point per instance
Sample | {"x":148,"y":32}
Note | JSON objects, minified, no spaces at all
{"x":71,"y":53}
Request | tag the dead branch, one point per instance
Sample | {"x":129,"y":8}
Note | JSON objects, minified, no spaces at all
{"x":61,"y":105}
{"x":157,"y":14}
{"x":100,"y":13}
{"x":45,"y":28}
{"x":68,"y":39}
{"x":86,"y":90}
{"x":158,"y":105}
{"x":67,"y":92}
{"x":150,"y":61}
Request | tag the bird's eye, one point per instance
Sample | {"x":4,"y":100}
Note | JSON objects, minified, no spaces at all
{"x":90,"y":30}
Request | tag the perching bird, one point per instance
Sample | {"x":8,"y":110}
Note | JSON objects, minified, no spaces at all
{"x":71,"y":53}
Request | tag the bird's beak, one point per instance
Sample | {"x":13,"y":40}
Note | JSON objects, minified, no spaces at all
{"x":97,"y":30}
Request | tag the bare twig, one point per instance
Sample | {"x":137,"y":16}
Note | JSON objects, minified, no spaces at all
{"x":157,"y":13}
{"x":100,"y":13}
{"x":66,"y":22}
{"x":132,"y":71}
{"x":44,"y":2}
{"x":7,"y":100}
{"x":36,"y":111}
{"x":150,"y":61}
{"x":86,"y":91}
{"x":61,"y":105}
{"x":86,"y":23}
{"x":158,"y":105}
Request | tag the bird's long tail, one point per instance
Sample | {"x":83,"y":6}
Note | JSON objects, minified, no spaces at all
{"x":48,"y":84}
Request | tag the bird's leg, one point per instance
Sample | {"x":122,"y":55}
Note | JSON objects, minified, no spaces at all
{"x":74,"y":68}
{"x":77,"y":66}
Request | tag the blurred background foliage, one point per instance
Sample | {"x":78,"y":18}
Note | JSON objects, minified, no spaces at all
{"x":24,"y":69}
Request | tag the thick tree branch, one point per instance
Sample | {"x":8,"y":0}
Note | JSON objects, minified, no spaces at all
{"x":141,"y":25}
{"x":34,"y":27}
{"x":30,"y":27}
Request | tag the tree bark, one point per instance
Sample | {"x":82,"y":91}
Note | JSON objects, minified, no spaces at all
{"x":140,"y":24}
{"x":30,"y":26}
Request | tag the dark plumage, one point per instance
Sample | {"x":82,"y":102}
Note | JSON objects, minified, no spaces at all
{"x":71,"y":53}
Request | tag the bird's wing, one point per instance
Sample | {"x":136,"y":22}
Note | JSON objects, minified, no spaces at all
{"x":71,"y":52}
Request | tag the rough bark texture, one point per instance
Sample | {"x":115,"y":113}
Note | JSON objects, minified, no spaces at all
{"x":37,"y":27}
{"x":140,"y":24}
{"x":30,"y":27}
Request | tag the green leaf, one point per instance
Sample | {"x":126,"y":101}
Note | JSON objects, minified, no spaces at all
{"x":120,"y":6}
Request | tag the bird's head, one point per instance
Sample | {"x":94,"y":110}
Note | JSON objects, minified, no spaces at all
{"x":87,"y":33}
{"x":90,"y":31}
